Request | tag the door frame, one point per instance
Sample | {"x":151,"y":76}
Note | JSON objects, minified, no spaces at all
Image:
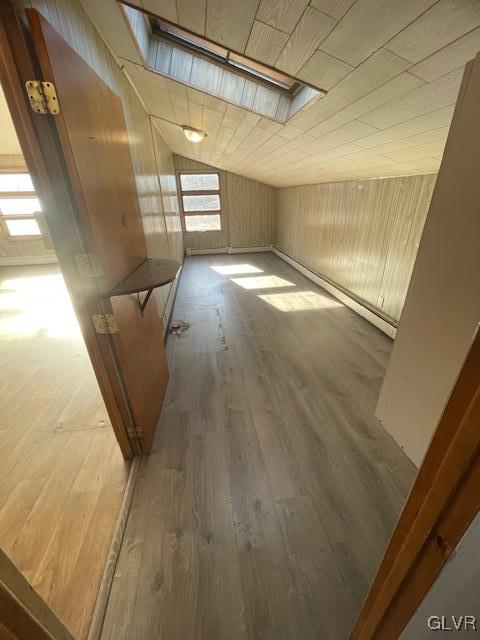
{"x":46,"y":164}
{"x":443,"y":502}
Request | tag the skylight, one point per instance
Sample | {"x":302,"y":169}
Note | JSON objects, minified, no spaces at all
{"x":219,"y":54}
{"x":173,"y":52}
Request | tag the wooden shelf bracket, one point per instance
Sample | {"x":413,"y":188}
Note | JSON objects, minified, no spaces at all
{"x":149,"y":275}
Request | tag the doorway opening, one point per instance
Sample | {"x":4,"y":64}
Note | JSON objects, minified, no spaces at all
{"x":63,"y":474}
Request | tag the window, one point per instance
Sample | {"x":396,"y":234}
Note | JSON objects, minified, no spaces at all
{"x":201,"y":203}
{"x":19,"y":206}
{"x":217,"y":53}
{"x":213,"y":68}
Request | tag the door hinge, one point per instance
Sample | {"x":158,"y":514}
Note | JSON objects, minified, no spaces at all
{"x":135,"y":432}
{"x":89,"y":265}
{"x":105,"y":323}
{"x":42,"y":96}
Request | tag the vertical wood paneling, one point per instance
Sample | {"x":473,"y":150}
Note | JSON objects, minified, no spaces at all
{"x":140,"y":30}
{"x":168,"y":187}
{"x":247,"y":211}
{"x":403,"y":239}
{"x":362,"y":235}
{"x":182,"y":67}
{"x":72,"y":23}
{"x":442,"y":308}
{"x":250,"y":210}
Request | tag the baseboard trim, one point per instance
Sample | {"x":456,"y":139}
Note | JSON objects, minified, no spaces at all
{"x":387,"y":328}
{"x":103,"y":596}
{"x":25,"y":261}
{"x":267,"y":247}
{"x":172,"y":296}
{"x":206,"y":252}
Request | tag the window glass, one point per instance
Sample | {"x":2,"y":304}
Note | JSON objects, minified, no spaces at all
{"x":209,"y":222}
{"x":15,"y":182}
{"x":210,"y":202}
{"x":19,"y":206}
{"x":21,"y":227}
{"x":199,"y":181}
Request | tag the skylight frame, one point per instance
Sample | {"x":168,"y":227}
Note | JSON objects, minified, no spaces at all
{"x":269,"y":99}
{"x":239,"y":63}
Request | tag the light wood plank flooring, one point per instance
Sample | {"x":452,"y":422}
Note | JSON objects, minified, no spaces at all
{"x":62,"y":475}
{"x":271,"y":492}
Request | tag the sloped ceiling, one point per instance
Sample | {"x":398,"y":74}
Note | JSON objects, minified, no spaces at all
{"x":392,"y":69}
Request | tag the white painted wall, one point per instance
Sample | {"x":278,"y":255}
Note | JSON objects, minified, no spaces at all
{"x":442,"y":308}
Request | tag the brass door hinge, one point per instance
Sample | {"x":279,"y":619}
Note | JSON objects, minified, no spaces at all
{"x":42,"y":96}
{"x":105,"y":323}
{"x":89,"y":265}
{"x":135,"y":432}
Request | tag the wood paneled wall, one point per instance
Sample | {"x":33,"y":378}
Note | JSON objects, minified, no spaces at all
{"x":442,"y":309}
{"x":248,"y":209}
{"x":152,"y":161}
{"x":361,"y":235}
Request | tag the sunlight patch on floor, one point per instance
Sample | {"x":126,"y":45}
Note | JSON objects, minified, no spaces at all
{"x":236,"y":269}
{"x":37,"y":304}
{"x":262,"y":282}
{"x":299,"y":301}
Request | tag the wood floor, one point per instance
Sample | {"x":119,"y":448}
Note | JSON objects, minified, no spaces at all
{"x":271,"y":492}
{"x":62,"y":475}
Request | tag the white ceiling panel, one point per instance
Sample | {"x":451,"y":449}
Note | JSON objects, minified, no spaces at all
{"x":392,"y":71}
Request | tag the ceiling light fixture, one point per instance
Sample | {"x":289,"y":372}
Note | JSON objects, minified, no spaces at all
{"x":192,"y":134}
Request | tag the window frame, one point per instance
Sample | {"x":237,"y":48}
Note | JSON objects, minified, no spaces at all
{"x":11,"y":216}
{"x":200,"y":192}
{"x":221,"y":55}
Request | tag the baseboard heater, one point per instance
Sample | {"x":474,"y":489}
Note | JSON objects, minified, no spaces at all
{"x":206,"y":252}
{"x":387,"y":326}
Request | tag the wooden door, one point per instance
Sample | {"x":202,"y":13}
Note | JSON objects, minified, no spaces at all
{"x":95,"y":145}
{"x":40,"y":147}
